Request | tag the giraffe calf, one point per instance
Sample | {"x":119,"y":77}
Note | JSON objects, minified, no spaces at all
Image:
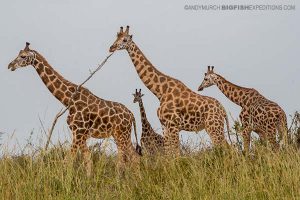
{"x":151,"y":142}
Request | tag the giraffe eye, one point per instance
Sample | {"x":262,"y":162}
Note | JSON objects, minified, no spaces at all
{"x":22,"y":56}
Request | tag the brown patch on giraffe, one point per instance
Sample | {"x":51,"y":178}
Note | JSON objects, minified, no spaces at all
{"x":165,"y":87}
{"x":64,"y":88}
{"x":72,"y":89}
{"x":51,"y":88}
{"x":59,"y":94}
{"x":65,"y":101}
{"x":48,"y":71}
{"x":57,"y":83}
{"x":35,"y":62}
{"x":162,"y":79}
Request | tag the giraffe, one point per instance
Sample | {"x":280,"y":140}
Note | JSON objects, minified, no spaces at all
{"x":258,"y":114}
{"x":180,"y":108}
{"x":89,"y":116}
{"x":151,"y":142}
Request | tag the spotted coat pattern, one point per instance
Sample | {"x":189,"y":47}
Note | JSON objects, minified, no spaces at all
{"x":89,"y":116}
{"x":180,"y":108}
{"x":151,"y":142}
{"x":258,"y":114}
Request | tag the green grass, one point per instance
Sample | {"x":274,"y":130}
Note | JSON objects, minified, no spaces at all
{"x":210,"y":174}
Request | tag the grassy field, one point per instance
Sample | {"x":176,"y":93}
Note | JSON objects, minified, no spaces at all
{"x":205,"y":174}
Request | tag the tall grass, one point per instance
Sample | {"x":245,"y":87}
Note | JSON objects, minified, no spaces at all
{"x":211,"y":174}
{"x":202,"y":174}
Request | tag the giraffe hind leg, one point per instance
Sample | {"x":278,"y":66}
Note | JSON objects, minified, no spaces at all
{"x":126,"y":152}
{"x":215,"y":129}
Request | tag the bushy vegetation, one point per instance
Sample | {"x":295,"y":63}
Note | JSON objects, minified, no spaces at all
{"x":202,"y":174}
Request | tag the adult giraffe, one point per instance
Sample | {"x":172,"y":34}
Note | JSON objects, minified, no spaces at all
{"x":89,"y":116}
{"x":258,"y":114}
{"x":180,"y":108}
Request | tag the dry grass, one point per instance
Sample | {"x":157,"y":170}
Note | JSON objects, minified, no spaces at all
{"x":201,"y":174}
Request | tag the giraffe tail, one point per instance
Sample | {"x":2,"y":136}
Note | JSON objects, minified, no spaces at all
{"x":138,"y":148}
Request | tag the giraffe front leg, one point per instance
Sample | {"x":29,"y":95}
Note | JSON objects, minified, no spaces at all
{"x":80,"y":136}
{"x":171,"y":141}
{"x":79,"y":144}
{"x":87,"y":156}
{"x":246,"y":128}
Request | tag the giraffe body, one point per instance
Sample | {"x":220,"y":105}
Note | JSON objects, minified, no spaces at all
{"x":180,"y":108}
{"x":258,"y":114}
{"x":151,"y":142}
{"x":89,"y":116}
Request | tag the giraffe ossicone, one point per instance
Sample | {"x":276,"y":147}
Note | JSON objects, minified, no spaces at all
{"x":89,"y":116}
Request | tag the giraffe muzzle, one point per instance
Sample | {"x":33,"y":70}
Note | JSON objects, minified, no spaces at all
{"x":11,"y":66}
{"x":112,"y":49}
{"x":200,"y":88}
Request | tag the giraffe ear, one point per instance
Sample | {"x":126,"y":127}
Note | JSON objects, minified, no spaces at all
{"x":205,"y":74}
{"x":142,"y":95}
{"x":130,"y":36}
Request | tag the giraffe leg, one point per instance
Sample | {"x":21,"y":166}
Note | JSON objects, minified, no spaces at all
{"x":126,"y":151}
{"x":171,"y":140}
{"x":271,"y":138}
{"x":246,"y":133}
{"x":87,"y":156}
{"x":79,"y":144}
{"x":214,"y":126}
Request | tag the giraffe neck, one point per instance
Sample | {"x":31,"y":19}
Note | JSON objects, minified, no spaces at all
{"x":235,"y":93}
{"x":145,"y":124}
{"x":57,"y":85}
{"x":154,"y":80}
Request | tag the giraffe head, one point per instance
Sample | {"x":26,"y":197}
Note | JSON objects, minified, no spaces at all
{"x":209,"y":78}
{"x":137,"y":96}
{"x":24,"y":58}
{"x":123,"y":40}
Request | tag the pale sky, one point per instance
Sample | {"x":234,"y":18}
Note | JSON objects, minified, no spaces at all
{"x":258,"y":49}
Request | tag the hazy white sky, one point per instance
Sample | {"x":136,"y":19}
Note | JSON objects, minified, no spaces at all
{"x":258,"y":49}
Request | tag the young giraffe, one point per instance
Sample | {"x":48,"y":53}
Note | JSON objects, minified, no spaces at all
{"x":89,"y":116}
{"x":151,"y":142}
{"x":258,"y":114}
{"x":180,"y":108}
